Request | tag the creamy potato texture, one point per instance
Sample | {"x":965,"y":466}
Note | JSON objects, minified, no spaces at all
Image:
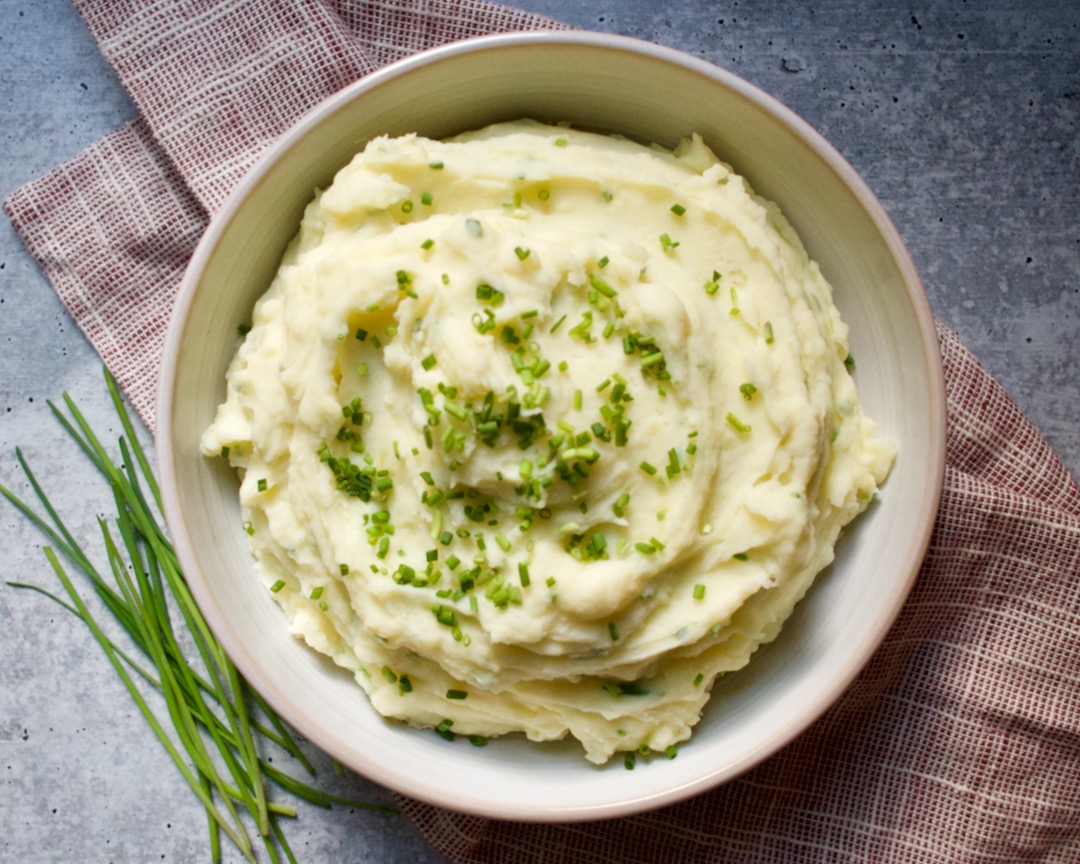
{"x":541,"y":431}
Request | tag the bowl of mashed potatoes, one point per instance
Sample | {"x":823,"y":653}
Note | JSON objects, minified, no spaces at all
{"x":546,"y":406}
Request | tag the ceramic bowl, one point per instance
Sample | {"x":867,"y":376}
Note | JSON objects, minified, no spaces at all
{"x":607,"y":84}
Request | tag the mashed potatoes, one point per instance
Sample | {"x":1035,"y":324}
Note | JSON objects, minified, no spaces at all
{"x":542,"y":431}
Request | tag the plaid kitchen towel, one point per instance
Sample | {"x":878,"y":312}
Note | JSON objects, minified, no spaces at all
{"x":959,"y":742}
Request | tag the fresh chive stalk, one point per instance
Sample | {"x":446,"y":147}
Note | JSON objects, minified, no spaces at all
{"x":218,"y":722}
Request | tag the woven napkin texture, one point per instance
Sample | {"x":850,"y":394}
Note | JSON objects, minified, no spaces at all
{"x":959,"y":742}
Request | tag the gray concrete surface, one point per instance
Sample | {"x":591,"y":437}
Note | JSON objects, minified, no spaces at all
{"x":962,"y":117}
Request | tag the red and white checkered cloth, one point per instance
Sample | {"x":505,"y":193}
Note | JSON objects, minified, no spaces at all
{"x":960,"y":741}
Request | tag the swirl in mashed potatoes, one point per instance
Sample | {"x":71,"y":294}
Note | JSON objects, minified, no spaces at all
{"x":542,"y":431}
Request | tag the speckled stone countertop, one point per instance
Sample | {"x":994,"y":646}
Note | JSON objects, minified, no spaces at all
{"x":961,"y":116}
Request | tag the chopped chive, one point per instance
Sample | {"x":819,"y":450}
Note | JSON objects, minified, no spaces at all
{"x":597,"y":547}
{"x":741,"y":556}
{"x":673,"y":466}
{"x":768,"y":333}
{"x":521,"y":253}
{"x":582,"y":329}
{"x":425,"y":199}
{"x":261,"y":484}
{"x":456,"y":694}
{"x":277,"y":586}
{"x":667,"y":244}
{"x":406,"y":206}
{"x":587,"y":454}
{"x":748,"y":390}
{"x":737,"y":424}
{"x":648,"y":468}
{"x":489,"y":294}
{"x":699,"y":592}
{"x":698,"y":679}
{"x":678,"y":209}
{"x":428,"y":362}
{"x":601,"y":286}
{"x":613,"y":631}
{"x":427,"y":244}
{"x":435,"y":166}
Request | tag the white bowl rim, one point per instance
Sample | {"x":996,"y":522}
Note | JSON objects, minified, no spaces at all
{"x":857,"y":659}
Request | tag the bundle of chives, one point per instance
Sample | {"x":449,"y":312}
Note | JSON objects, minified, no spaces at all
{"x":206,"y":700}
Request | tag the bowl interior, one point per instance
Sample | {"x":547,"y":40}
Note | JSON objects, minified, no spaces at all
{"x":606,"y":84}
